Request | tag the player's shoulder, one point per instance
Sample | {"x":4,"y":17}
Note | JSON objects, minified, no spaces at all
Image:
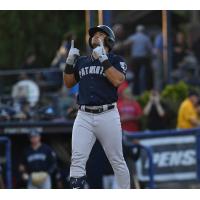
{"x":116,"y":57}
{"x":118,"y":62}
{"x":81,"y":58}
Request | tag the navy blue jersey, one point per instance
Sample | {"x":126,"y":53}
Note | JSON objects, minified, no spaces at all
{"x":94,"y":88}
{"x":0,"y":170}
{"x":41,"y":159}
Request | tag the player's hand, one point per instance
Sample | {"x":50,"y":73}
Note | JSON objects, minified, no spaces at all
{"x":73,"y":54}
{"x":99,"y":52}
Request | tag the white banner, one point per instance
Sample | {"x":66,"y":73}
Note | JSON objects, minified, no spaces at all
{"x":174,"y":159}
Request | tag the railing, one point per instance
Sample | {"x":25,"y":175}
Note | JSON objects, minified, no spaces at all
{"x":149,"y":153}
{"x":160,"y":133}
{"x":44,"y":127}
{"x":27,"y":71}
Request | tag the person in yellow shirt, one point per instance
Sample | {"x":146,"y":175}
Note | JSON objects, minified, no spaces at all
{"x":187,"y":114}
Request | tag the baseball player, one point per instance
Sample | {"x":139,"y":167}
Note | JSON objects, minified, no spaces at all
{"x":39,"y":162}
{"x":98,"y":75}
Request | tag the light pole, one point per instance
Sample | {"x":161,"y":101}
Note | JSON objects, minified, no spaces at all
{"x":167,"y":45}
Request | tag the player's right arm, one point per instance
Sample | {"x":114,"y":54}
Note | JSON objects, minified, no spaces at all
{"x":68,"y":75}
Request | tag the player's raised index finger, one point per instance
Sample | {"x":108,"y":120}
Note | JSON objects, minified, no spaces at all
{"x":72,"y":43}
{"x":100,"y":43}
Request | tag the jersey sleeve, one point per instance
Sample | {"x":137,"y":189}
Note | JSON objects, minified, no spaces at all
{"x":119,"y":64}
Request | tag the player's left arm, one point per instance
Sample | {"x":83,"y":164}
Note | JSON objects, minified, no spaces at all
{"x":115,"y":71}
{"x":114,"y":76}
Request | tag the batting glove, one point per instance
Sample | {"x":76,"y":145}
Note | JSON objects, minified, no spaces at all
{"x":100,"y":53}
{"x":73,"y":54}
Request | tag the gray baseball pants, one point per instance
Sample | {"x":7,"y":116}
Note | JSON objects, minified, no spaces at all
{"x":105,"y":127}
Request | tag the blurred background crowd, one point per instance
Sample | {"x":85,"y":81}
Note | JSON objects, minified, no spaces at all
{"x":34,"y":47}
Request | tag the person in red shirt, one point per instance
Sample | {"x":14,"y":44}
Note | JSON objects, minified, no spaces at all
{"x":130,"y":111}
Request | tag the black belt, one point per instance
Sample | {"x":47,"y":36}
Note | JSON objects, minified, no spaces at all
{"x":98,"y":110}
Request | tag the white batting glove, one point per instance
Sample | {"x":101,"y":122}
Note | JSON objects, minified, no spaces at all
{"x":73,"y":54}
{"x":99,"y":52}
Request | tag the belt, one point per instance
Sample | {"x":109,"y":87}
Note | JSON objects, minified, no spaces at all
{"x":97,"y":109}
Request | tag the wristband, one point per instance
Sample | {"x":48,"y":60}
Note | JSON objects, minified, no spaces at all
{"x":68,"y":69}
{"x":102,"y":58}
{"x":106,"y":64}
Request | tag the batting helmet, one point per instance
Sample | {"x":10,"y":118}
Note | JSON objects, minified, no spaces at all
{"x":110,"y":39}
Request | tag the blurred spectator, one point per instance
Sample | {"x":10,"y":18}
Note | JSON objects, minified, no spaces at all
{"x":47,"y":113}
{"x":180,"y":50}
{"x":30,"y":61}
{"x":23,"y":112}
{"x":2,"y":186}
{"x":121,"y":89}
{"x":59,"y":60}
{"x":61,"y":55}
{"x":38,"y":163}
{"x":26,"y":89}
{"x":187,"y":114}
{"x":156,"y":112}
{"x":158,"y":62}
{"x":4,"y":114}
{"x":118,"y":30}
{"x":188,"y":70}
{"x":196,"y":49}
{"x":141,"y":51}
{"x":198,"y":109}
{"x":7,"y":112}
{"x":130,"y":111}
{"x":66,"y":105}
{"x":25,"y":94}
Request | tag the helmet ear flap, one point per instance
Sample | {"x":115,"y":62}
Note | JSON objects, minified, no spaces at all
{"x":109,"y":43}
